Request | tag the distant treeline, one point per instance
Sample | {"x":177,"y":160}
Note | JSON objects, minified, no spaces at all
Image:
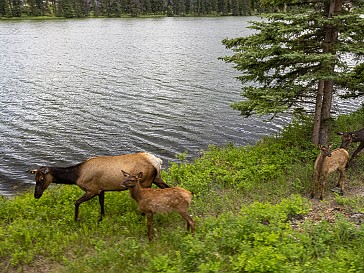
{"x":120,"y":8}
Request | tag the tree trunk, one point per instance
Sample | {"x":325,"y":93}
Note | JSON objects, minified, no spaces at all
{"x":317,"y":118}
{"x":326,"y":87}
{"x":326,"y":112}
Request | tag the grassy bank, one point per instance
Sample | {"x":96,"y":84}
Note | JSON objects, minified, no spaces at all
{"x":250,"y":203}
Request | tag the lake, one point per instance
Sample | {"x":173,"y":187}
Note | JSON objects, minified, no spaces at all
{"x":73,"y":89}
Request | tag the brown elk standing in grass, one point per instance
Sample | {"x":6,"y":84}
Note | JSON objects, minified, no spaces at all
{"x":327,"y":162}
{"x":348,"y":137}
{"x":152,"y":201}
{"x":99,"y":174}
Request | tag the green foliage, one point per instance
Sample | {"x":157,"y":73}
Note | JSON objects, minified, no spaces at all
{"x":283,"y":61}
{"x":249,"y":204}
{"x":350,"y":122}
{"x":249,"y":169}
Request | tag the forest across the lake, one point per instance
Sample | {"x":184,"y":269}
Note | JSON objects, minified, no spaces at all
{"x":123,"y":8}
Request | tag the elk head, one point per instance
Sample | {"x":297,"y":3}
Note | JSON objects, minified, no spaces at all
{"x":42,"y":180}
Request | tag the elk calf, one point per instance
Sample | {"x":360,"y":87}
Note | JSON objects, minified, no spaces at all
{"x":152,"y":201}
{"x":327,"y":162}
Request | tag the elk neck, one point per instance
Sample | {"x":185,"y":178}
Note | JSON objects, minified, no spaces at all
{"x":136,"y":191}
{"x":67,"y":175}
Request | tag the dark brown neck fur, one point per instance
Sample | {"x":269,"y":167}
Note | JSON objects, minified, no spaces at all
{"x":67,"y":175}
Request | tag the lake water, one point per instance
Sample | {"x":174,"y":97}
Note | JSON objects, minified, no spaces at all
{"x":73,"y":89}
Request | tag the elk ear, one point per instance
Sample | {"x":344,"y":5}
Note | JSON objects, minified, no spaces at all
{"x":125,"y":174}
{"x":140,"y":175}
{"x":44,"y":170}
{"x":32,"y":171}
{"x":339,"y":133}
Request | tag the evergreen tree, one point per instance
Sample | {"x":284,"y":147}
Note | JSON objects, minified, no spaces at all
{"x":245,"y":7}
{"x":40,"y":7}
{"x":195,"y":7}
{"x":115,"y":8}
{"x":235,"y":7}
{"x":8,"y":10}
{"x":298,"y":61}
{"x":47,"y":10}
{"x":214,"y":6}
{"x":179,"y":7}
{"x":135,"y":6}
{"x":54,"y":7}
{"x":147,"y":7}
{"x":67,"y":8}
{"x":33,"y":7}
{"x":223,"y":7}
{"x":79,"y":7}
{"x":16,"y":8}
{"x":158,"y":6}
{"x":94,"y":8}
{"x":202,"y":7}
{"x":3,"y":4}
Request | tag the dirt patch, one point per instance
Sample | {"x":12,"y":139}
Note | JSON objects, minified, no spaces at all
{"x":39,"y":266}
{"x":329,"y":209}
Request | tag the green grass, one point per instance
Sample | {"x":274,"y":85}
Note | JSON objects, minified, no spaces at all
{"x":250,"y":205}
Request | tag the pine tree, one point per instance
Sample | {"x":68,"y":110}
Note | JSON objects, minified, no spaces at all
{"x":3,"y":4}
{"x":298,"y":61}
{"x":135,"y":8}
{"x":16,"y":8}
{"x":66,"y":8}
{"x":235,"y":7}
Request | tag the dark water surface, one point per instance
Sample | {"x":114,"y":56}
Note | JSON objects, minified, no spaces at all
{"x":73,"y":89}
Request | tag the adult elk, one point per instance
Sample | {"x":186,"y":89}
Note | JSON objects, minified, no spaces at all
{"x":327,"y":162}
{"x":99,"y":174}
{"x":348,"y":137}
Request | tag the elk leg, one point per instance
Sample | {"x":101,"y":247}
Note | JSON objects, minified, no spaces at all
{"x":160,"y":183}
{"x":338,"y":184}
{"x":101,"y":201}
{"x":190,"y":223}
{"x":360,"y":147}
{"x":323,"y":186}
{"x":341,"y":181}
{"x":85,"y":197}
{"x":150,"y":225}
